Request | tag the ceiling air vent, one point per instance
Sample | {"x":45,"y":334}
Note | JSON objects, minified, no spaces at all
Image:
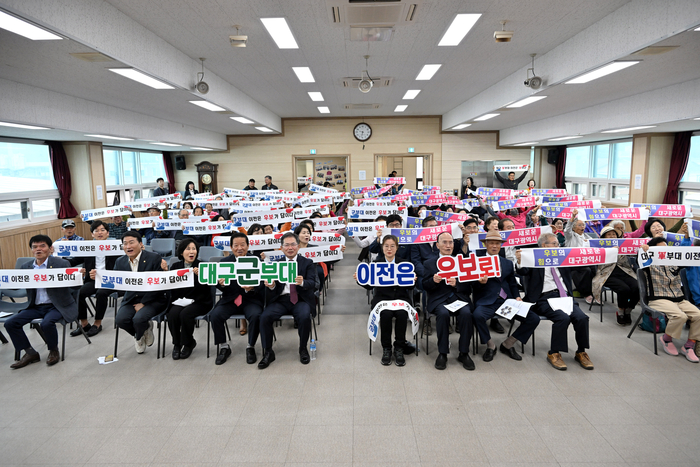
{"x":361,"y":106}
{"x":378,"y":82}
{"x":411,"y":12}
{"x":336,"y":14}
{"x":92,"y":57}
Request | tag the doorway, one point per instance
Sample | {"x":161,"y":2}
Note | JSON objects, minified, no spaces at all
{"x":416,"y":168}
{"x":320,"y":169}
{"x":481,"y":172}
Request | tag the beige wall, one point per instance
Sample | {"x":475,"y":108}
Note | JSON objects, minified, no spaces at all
{"x":651,"y":158}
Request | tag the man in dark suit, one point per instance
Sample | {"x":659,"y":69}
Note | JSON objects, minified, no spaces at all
{"x":161,"y":190}
{"x":100,"y":231}
{"x":137,"y":309}
{"x":297,"y":299}
{"x":490,"y":293}
{"x":545,"y":283}
{"x":420,"y":253}
{"x":51,"y":304}
{"x":237,"y":300}
{"x":443,"y":292}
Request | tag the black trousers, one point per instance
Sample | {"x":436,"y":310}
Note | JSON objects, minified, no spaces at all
{"x":626,"y":288}
{"x":49,"y":316}
{"x":385,"y":321}
{"x":181,"y":321}
{"x":483,"y":313}
{"x":560,"y":324}
{"x":101,"y":299}
{"x":464,"y":325}
{"x":136,"y":322}
{"x":583,"y":279}
{"x":221,"y":313}
{"x":283,"y":306}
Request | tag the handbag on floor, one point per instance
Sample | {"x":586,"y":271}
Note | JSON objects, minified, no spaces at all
{"x":650,"y":324}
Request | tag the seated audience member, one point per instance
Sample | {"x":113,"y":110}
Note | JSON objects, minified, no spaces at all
{"x":149,"y":233}
{"x":390,"y":245}
{"x":558,"y":230}
{"x":297,"y":299}
{"x":531,"y":184}
{"x":269,"y":229}
{"x":50,"y":305}
{"x":544,"y":284}
{"x":190,"y":190}
{"x":179,"y":235}
{"x":68,"y":230}
{"x":116,"y":228}
{"x":619,"y":226}
{"x":420,"y":253}
{"x":188,"y":205}
{"x":209,"y":211}
{"x":137,"y":308}
{"x":250,"y":185}
{"x":181,"y":318}
{"x":237,"y":300}
{"x":394,"y":221}
{"x":492,"y":224}
{"x":489,"y":294}
{"x":511,"y":183}
{"x":92,"y":263}
{"x":654,"y":228}
{"x":620,"y":278}
{"x":665,"y":294}
{"x":576,"y":238}
{"x":535,"y":220}
{"x":442,"y":292}
{"x":268,"y":184}
{"x":304,"y":231}
{"x":161,"y":190}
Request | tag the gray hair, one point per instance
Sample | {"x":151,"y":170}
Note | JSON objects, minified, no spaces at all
{"x":544,"y":237}
{"x":614,"y":223}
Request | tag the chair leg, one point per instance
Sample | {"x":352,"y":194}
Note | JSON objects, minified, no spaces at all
{"x":533,"y":343}
{"x":655,"y":344}
{"x":82,"y":331}
{"x":158,"y":350}
{"x":314,"y":327}
{"x":227,"y":331}
{"x":636,"y":323}
{"x":370,"y":347}
{"x":208,"y":337}
{"x":3,"y":339}
{"x":63,"y":343}
{"x":116,"y":341}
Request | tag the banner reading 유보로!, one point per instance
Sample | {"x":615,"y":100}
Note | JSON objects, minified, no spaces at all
{"x":470,"y":268}
{"x":317,"y":254}
{"x":40,"y":278}
{"x":517,"y":237}
{"x":511,"y":168}
{"x":566,"y":257}
{"x":92,"y":214}
{"x":666,"y":210}
{"x":685,"y":256}
{"x":625,"y":246}
{"x":248,"y":271}
{"x":386,"y":274}
{"x":424,"y":234}
{"x":588,"y":215}
{"x":83,"y":248}
{"x":375,"y":316}
{"x":144,"y":281}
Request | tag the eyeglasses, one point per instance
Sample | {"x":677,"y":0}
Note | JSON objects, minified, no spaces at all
{"x":289,"y":245}
{"x":394,"y":225}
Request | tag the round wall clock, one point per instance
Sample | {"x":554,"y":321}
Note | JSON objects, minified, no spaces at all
{"x":362,"y":132}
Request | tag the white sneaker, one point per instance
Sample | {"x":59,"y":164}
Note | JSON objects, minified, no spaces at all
{"x":148,"y":334}
{"x":140,"y":345}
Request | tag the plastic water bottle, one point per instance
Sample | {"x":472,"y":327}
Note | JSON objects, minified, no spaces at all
{"x":312,"y":349}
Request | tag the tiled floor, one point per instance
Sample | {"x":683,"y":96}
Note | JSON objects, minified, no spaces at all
{"x":345,"y":408}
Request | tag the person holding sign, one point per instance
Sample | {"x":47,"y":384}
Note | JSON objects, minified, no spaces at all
{"x":51,"y":305}
{"x":297,"y":299}
{"x":445,"y":297}
{"x":490,"y":294}
{"x":665,"y":294}
{"x":137,"y":308}
{"x":576,"y":238}
{"x":511,"y":183}
{"x":550,"y":291}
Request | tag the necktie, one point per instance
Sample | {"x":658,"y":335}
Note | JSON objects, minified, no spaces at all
{"x":293,"y":294}
{"x":560,"y":286}
{"x":502,"y":293}
{"x":238,"y":300}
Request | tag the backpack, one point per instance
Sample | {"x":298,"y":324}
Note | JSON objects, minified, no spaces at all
{"x":650,"y":324}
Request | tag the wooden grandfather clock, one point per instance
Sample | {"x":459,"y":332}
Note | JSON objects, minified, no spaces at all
{"x":206,"y":174}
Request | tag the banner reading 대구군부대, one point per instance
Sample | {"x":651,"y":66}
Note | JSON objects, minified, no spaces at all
{"x":144,"y":281}
{"x":566,"y":257}
{"x":40,"y":278}
{"x":683,"y":256}
{"x":248,"y":271}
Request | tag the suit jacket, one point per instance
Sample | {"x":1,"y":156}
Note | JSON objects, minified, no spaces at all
{"x":535,"y":282}
{"x":486,"y":294}
{"x":90,"y":263}
{"x":230,"y":292}
{"x":62,"y":298}
{"x":200,"y":293}
{"x":420,"y":253}
{"x":394,"y":292}
{"x":439,"y":293}
{"x":149,"y":262}
{"x":305,"y":293}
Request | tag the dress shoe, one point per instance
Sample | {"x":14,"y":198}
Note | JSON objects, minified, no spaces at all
{"x":467,"y":361}
{"x":26,"y":360}
{"x":304,"y":356}
{"x":268,"y":358}
{"x":187,"y":350}
{"x":398,"y":356}
{"x":94,"y":330}
{"x":149,"y":334}
{"x":555,"y":360}
{"x":140,"y":344}
{"x":582,"y":358}
{"x":512,"y":353}
{"x":54,"y":357}
{"x":441,"y":362}
{"x":408,"y":348}
{"x":76,"y":332}
{"x":176,"y":352}
{"x":496,"y":326}
{"x":489,"y":354}
{"x":224,"y":354}
{"x":628,"y":316}
{"x":386,"y":356}
{"x":250,"y":356}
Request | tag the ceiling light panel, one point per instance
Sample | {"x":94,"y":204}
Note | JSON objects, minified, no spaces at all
{"x":411,"y":94}
{"x":400,"y":108}
{"x":621,"y":130}
{"x":602,"y":71}
{"x":242,"y":120}
{"x":526,"y":101}
{"x":486,"y":117}
{"x":118,"y":138}
{"x":25,"y":29}
{"x":304,"y":74}
{"x":564,"y":138}
{"x":316,"y":96}
{"x":25,"y":127}
{"x":168,"y":144}
{"x":201,"y":149}
{"x":428,"y":72}
{"x":461,"y":126}
{"x":459,"y":28}
{"x":324,"y":110}
{"x":208,"y":105}
{"x":280,"y":32}
{"x":141,"y":78}
{"x":263,"y":129}
{"x":532,"y":143}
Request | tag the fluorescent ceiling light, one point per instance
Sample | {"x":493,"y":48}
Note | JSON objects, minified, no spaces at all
{"x":243,"y":120}
{"x":26,"y":127}
{"x":697,"y":29}
{"x":459,"y":28}
{"x":400,"y":108}
{"x":316,"y":96}
{"x":486,"y":117}
{"x":629,"y":129}
{"x":209,"y":106}
{"x":324,"y":110}
{"x":602,"y":71}
{"x":304,"y":74}
{"x":697,"y":118}
{"x":427,"y":72}
{"x":119,"y":138}
{"x":528,"y":144}
{"x":201,"y":149}
{"x":167,"y":144}
{"x":280,"y":32}
{"x":263,"y":129}
{"x":28,"y":30}
{"x":461,"y":126}
{"x":411,"y":94}
{"x":524,"y":102}
{"x":563,"y":138}
{"x":141,"y":78}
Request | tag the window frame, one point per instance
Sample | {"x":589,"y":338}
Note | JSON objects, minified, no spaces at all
{"x":126,"y":191}
{"x":606,"y":183}
{"x":690,"y":187}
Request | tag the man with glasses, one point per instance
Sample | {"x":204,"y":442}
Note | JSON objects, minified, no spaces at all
{"x":297,"y":299}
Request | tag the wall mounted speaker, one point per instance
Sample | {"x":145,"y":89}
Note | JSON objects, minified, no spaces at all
{"x":180,"y":163}
{"x":553,"y":156}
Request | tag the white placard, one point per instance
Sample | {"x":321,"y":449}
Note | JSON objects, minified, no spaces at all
{"x":144,"y":281}
{"x":364,"y":229}
{"x":565,"y":304}
{"x":374,"y":317}
{"x":317,"y":254}
{"x":53,"y":278}
{"x":454,"y":306}
{"x":512,"y":308}
{"x":83,"y":248}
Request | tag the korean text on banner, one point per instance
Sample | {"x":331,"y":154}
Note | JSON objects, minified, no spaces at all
{"x":364,"y":229}
{"x":92,"y":214}
{"x":207,"y":228}
{"x":566,"y":257}
{"x":375,"y":314}
{"x":548,"y":191}
{"x":265,"y":217}
{"x":40,"y":279}
{"x":327,"y":238}
{"x":386,"y":274}
{"x":669,"y":256}
{"x":511,"y":168}
{"x":144,"y":281}
{"x":468,"y":269}
{"x":693,"y":227}
{"x":666,"y":210}
{"x":248,"y":271}
{"x":517,"y":237}
{"x":83,"y":248}
{"x":317,"y":254}
{"x":588,"y":215}
{"x":423,"y":235}
{"x":389,"y":180}
{"x":525,"y":202}
{"x":321,"y":189}
{"x":625,"y":246}
{"x":372,"y":213}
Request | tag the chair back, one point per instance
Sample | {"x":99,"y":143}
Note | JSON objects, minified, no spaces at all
{"x":216,"y":259}
{"x":172,"y":260}
{"x":686,"y":287}
{"x":208,"y":252}
{"x":163,"y":246}
{"x":642,"y":282}
{"x":22,"y":260}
